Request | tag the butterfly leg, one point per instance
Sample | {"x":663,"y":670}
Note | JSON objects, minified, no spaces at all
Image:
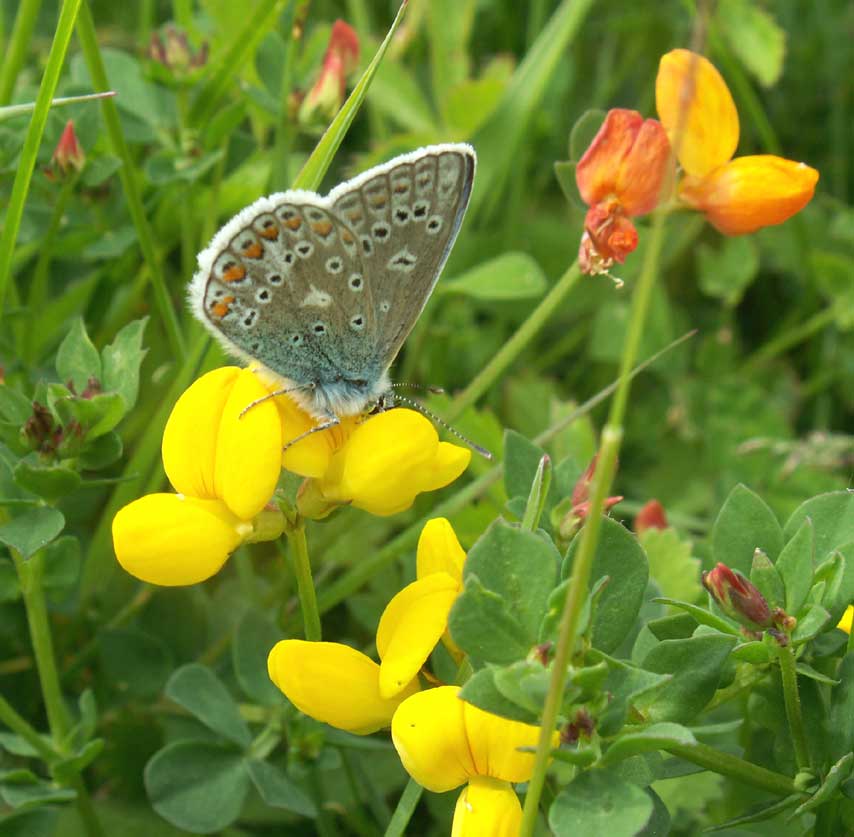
{"x":270,"y":395}
{"x":329,"y":421}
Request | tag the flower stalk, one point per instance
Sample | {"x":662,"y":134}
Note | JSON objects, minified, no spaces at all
{"x":792,"y":700}
{"x":298,"y":551}
{"x":405,"y":809}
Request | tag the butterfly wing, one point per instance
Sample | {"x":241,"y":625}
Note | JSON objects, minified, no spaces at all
{"x":283,"y":283}
{"x":406,"y":214}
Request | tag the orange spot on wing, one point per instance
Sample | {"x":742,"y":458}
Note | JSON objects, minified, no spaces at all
{"x":221,"y":308}
{"x":346,"y":237}
{"x":253,"y":251}
{"x":322,"y":228}
{"x":234,"y":273}
{"x":293,"y":223}
{"x":401,"y":188}
{"x":271,"y":233}
{"x":378,"y":202}
{"x":354,"y":217}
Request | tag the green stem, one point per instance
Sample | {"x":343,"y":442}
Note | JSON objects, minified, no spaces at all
{"x":515,"y":345}
{"x":783,"y":342}
{"x":298,"y":549}
{"x":88,"y":38}
{"x":791,"y":698}
{"x":30,"y":577}
{"x":612,"y":436}
{"x":85,"y":808}
{"x":16,"y":50}
{"x":405,"y":808}
{"x":734,"y":767}
{"x":27,"y":161}
{"x":280,"y":170}
{"x":10,"y":717}
{"x":741,"y":684}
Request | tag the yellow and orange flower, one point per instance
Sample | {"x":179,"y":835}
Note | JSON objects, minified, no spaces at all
{"x":737,"y":196}
{"x":224,"y":462}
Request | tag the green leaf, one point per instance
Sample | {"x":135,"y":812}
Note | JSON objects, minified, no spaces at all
{"x":811,"y":624}
{"x":676,"y":573}
{"x":702,"y":616}
{"x":121,"y":361}
{"x":96,"y":415}
{"x":40,"y":822}
{"x":726,"y":270}
{"x":584,"y":131}
{"x":627,"y":685}
{"x":764,"y":575}
{"x":756,"y":653}
{"x":202,"y":694}
{"x":809,"y":671}
{"x":599,"y":802}
{"x":758,"y":813}
{"x":834,"y":778}
{"x":745,"y":524}
{"x":66,"y":769}
{"x":278,"y":790}
{"x":29,"y":531}
{"x":526,"y":683}
{"x":199,"y":786}
{"x":14,"y":406}
{"x":396,"y":93}
{"x":481,"y":690}
{"x":795,"y":566}
{"x":101,"y":452}
{"x":653,"y":737}
{"x":134,"y":662}
{"x":470,"y":102}
{"x":755,"y":37}
{"x":518,"y":566}
{"x":317,"y":164}
{"x":841,"y":716}
{"x":620,"y":557}
{"x":696,"y":665}
{"x":832,"y":517}
{"x":45,"y":480}
{"x":23,"y":789}
{"x":565,"y":174}
{"x":510,"y":276}
{"x":77,"y":359}
{"x":62,"y":562}
{"x":839,"y":590}
{"x":482,"y":625}
{"x":254,"y":637}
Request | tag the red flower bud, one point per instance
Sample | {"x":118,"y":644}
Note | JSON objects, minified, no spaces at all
{"x":737,"y":597}
{"x":651,"y":516}
{"x":68,"y":154}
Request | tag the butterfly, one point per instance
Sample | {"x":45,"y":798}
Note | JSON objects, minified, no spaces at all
{"x":323,"y":291}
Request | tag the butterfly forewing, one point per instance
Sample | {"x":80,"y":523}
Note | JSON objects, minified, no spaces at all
{"x":406,"y":216}
{"x":287,"y":286}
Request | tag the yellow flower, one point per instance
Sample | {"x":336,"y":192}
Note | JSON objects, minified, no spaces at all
{"x":417,"y":617}
{"x":847,"y":619}
{"x":335,"y":684}
{"x":225,"y":468}
{"x":698,"y":112}
{"x":379,"y":465}
{"x":444,"y":742}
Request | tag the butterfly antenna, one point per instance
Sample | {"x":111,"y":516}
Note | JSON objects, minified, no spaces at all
{"x":423,"y":387}
{"x":441,"y":422}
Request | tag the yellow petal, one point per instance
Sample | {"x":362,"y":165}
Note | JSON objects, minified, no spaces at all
{"x":191,"y":433}
{"x":752,"y":192}
{"x":487,"y":807}
{"x":410,"y":627}
{"x":449,"y":463}
{"x":382,"y":465}
{"x":439,"y":551}
{"x":249,"y":448}
{"x":333,"y":683}
{"x":429,"y":735}
{"x":847,"y":619}
{"x":494,"y":743}
{"x":692,"y":98}
{"x":172,"y":540}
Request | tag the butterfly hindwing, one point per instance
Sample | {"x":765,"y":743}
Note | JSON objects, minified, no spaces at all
{"x":284,"y":283}
{"x":406,"y":215}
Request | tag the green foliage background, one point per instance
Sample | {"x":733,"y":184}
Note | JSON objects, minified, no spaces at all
{"x":762,"y":395}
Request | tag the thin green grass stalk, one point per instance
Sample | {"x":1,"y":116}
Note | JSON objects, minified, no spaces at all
{"x":15,"y":51}
{"x":232,"y":59}
{"x":128,"y":174}
{"x":515,"y":345}
{"x":405,"y":809}
{"x":280,"y":170}
{"x":11,"y":111}
{"x":27,"y":162}
{"x":612,"y":436}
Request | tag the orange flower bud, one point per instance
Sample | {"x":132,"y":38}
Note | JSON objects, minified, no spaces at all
{"x":751,"y":192}
{"x":68,"y":154}
{"x":340,"y":60}
{"x":694,"y":102}
{"x":651,"y":516}
{"x":626,"y":163}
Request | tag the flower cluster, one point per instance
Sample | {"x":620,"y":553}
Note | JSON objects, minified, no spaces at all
{"x":442,"y":741}
{"x":624,"y":172}
{"x":224,"y":462}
